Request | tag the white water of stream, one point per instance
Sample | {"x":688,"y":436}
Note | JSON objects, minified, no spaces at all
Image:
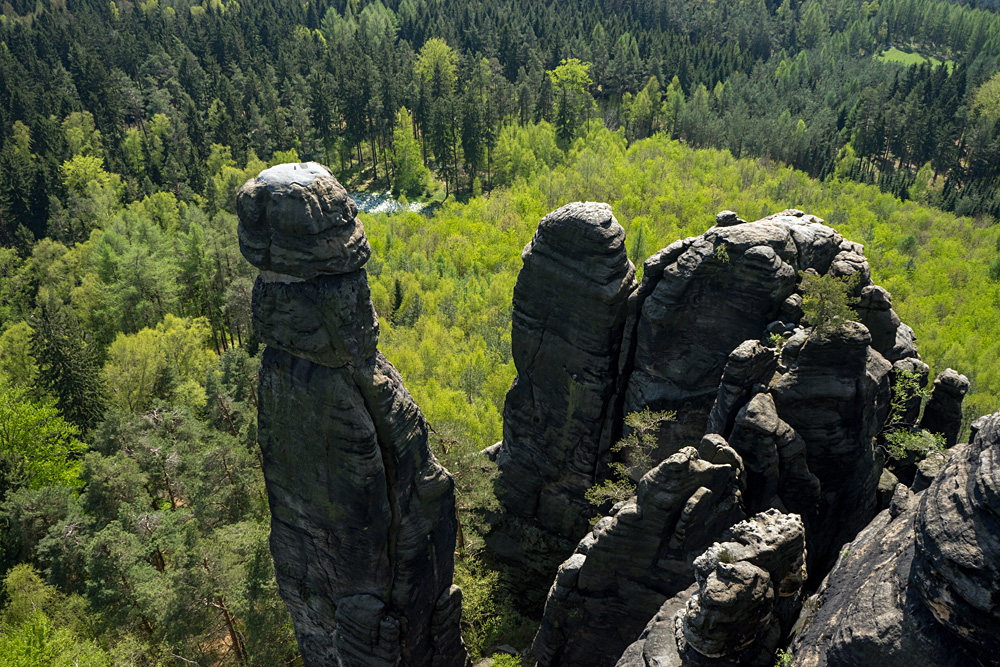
{"x":383,"y":202}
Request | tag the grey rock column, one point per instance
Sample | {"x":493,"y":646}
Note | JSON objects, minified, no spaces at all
{"x":362,"y":516}
{"x":835,"y":394}
{"x":561,"y":415}
{"x":943,"y":412}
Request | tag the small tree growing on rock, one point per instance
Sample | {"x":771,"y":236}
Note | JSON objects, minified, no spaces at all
{"x":826,"y":301}
{"x":636,"y":450}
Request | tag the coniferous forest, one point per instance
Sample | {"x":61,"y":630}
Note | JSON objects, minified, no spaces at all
{"x":133,"y":518}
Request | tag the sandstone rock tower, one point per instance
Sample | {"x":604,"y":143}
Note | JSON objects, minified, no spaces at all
{"x":362,"y":516}
{"x":570,"y":306}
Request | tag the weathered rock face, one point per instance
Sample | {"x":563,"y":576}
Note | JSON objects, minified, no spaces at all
{"x":703,"y":296}
{"x":635,"y":559}
{"x":943,"y":412}
{"x":561,"y":415}
{"x":958,"y":573}
{"x":748,"y":369}
{"x":890,"y":337}
{"x":834,"y":393}
{"x":776,"y":459}
{"x":747,"y":592}
{"x":919,"y":584}
{"x":362,"y":515}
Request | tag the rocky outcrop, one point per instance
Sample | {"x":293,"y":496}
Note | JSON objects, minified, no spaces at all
{"x":834,"y":393}
{"x":957,"y":561}
{"x":562,"y":413}
{"x":362,"y":516}
{"x":703,"y":296}
{"x":776,"y":460}
{"x":943,"y":412}
{"x":633,"y":560}
{"x":919,"y":584}
{"x":748,"y":369}
{"x":890,"y":337}
{"x":747,"y":593}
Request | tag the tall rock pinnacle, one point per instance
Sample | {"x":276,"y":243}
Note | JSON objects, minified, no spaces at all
{"x":569,"y":311}
{"x":362,"y":515}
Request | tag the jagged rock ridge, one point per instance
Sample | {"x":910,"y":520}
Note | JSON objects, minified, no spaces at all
{"x":797,"y":421}
{"x":638,"y":557}
{"x":745,"y":597}
{"x":363,"y":517}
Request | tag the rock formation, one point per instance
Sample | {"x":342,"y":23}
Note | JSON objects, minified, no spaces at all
{"x":746,"y":595}
{"x":703,"y":296}
{"x":943,"y":412}
{"x":638,"y":557}
{"x":918,"y":586}
{"x":561,"y":415}
{"x":797,"y":420}
{"x":363,"y":517}
{"x":890,"y":337}
{"x":835,"y":394}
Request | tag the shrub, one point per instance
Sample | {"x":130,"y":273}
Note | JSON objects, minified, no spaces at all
{"x":826,"y":301}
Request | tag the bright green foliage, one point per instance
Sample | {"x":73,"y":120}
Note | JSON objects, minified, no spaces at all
{"x":905,"y":388}
{"x":826,"y":301}
{"x":987,"y":100}
{"x":573,"y":103}
{"x":93,"y":196}
{"x":412,"y":177}
{"x":169,"y":541}
{"x":17,"y":364}
{"x":636,"y":453}
{"x":437,"y":61}
{"x":488,"y":614}
{"x":37,"y":446}
{"x":903,"y":442}
{"x":82,"y":135}
{"x":40,"y":627}
{"x":168,"y":362}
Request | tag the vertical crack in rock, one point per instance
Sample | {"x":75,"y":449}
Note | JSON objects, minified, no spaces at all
{"x":570,"y":305}
{"x":363,"y":517}
{"x":834,"y":393}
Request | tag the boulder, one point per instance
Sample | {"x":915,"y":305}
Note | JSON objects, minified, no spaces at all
{"x":363,"y":523}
